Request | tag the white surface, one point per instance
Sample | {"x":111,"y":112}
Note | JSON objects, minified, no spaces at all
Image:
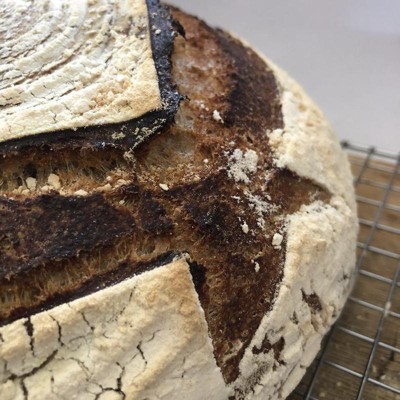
{"x":345,"y":53}
{"x":105,"y":82}
{"x":143,"y":338}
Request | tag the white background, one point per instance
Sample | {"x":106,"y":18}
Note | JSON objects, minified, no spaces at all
{"x":345,"y":53}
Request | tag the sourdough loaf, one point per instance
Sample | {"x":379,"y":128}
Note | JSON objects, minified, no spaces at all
{"x":177,"y":219}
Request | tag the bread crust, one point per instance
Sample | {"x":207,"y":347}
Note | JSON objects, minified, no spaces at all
{"x":320,"y":252}
{"x":251,"y":184}
{"x":143,"y":338}
{"x":85,"y":74}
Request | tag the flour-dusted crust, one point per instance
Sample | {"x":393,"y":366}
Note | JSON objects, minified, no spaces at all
{"x":89,"y":67}
{"x":88,"y":71}
{"x":208,"y":262}
{"x":307,"y":144}
{"x":320,"y":252}
{"x":143,"y":338}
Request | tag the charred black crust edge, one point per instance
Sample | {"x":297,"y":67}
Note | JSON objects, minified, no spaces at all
{"x":124,"y":271}
{"x":162,"y":48}
{"x":100,"y":136}
{"x":52,"y":227}
{"x":254,"y":100}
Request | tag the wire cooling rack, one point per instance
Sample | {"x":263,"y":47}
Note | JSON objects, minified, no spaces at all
{"x":360,"y":357}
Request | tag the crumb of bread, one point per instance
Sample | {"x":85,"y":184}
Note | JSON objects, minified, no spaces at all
{"x":117,"y":136}
{"x":256,"y":266}
{"x":121,"y":182}
{"x":217,"y":116}
{"x":245,"y":227}
{"x":203,"y":106}
{"x":31,"y":183}
{"x":277,"y":240}
{"x":81,"y":193}
{"x":54,"y":181}
{"x":106,"y":188}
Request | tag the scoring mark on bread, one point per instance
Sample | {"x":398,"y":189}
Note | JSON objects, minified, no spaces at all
{"x":53,"y":227}
{"x":201,"y":218}
{"x":226,"y":225}
{"x":33,"y":173}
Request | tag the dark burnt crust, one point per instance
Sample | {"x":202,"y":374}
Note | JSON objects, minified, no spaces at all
{"x":162,"y":47}
{"x":254,"y":101}
{"x":152,"y":216}
{"x":135,"y":131}
{"x":266,"y":346}
{"x":124,"y":271}
{"x":234,"y":295}
{"x":54,"y":227}
{"x":235,"y":304}
{"x":313,"y":301}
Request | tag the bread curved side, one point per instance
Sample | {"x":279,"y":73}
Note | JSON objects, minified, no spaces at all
{"x":320,"y":252}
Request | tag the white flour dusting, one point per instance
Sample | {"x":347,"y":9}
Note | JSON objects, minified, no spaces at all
{"x":241,"y":164}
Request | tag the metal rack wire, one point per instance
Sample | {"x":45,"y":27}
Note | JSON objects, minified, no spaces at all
{"x":360,"y":357}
